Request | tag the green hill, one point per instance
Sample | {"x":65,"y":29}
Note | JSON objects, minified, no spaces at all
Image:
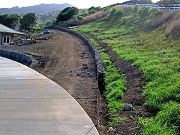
{"x":149,"y":39}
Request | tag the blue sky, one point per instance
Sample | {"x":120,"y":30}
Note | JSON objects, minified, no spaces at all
{"x":77,"y":3}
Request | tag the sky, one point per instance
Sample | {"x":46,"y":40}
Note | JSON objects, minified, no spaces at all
{"x":77,"y":3}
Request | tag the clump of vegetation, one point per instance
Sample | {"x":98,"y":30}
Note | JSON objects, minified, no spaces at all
{"x":90,"y":14}
{"x":67,"y":14}
{"x":28,"y":22}
{"x":93,"y":9}
{"x":49,"y":22}
{"x":115,"y":121}
{"x":11,"y":20}
{"x":84,"y":13}
{"x":155,"y":54}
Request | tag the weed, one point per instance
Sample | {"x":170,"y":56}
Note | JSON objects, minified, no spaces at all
{"x":115,"y":121}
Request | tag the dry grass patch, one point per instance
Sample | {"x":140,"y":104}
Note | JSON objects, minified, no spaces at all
{"x":96,"y":15}
{"x":170,"y":21}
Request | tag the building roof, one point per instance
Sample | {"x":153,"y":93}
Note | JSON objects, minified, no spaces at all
{"x":6,"y":29}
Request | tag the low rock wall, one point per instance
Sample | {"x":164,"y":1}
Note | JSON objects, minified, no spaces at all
{"x":19,"y":57}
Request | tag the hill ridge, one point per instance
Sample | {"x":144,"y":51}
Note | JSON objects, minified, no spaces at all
{"x":38,"y":9}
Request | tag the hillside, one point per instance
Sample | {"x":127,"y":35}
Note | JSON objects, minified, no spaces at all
{"x":148,"y":40}
{"x":38,"y":9}
{"x":42,"y":18}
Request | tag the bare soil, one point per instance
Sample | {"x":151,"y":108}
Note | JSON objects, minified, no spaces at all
{"x":67,"y":60}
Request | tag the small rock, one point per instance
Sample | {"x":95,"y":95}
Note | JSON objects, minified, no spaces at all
{"x":111,"y":129}
{"x":128,"y":107}
{"x":78,"y":74}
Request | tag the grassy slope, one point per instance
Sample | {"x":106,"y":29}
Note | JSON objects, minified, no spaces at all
{"x":156,"y":55}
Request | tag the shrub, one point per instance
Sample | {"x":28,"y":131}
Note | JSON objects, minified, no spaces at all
{"x":92,"y":11}
{"x":115,"y":121}
{"x":67,"y":14}
{"x":117,"y":14}
{"x":80,"y":18}
{"x":84,"y":14}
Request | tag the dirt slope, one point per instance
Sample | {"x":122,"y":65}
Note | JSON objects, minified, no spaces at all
{"x":67,"y":61}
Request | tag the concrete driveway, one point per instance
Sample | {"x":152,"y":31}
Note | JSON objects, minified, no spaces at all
{"x":31,"y":104}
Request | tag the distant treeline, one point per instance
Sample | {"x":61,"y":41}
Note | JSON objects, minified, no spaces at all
{"x":15,"y":21}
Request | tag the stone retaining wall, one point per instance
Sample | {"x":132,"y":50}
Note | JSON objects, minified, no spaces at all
{"x":19,"y":57}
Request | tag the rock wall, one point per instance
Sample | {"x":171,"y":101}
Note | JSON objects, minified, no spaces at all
{"x":21,"y":58}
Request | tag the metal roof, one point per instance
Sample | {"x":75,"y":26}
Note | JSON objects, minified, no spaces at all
{"x":6,"y":29}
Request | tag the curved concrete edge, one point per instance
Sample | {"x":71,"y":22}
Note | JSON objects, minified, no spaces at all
{"x":33,"y":104}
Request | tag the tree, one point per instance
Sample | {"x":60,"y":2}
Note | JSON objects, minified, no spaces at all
{"x":11,"y":21}
{"x":67,"y":14}
{"x":28,"y":22}
{"x":93,"y":9}
{"x":49,"y":22}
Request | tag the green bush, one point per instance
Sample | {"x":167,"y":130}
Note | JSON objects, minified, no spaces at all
{"x":118,"y":14}
{"x":80,"y":18}
{"x":84,"y":14}
{"x":67,"y":14}
{"x":115,"y":121}
{"x":92,"y":11}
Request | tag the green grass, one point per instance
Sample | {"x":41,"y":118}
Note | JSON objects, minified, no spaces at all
{"x":153,"y":53}
{"x":34,"y":54}
{"x":115,"y":121}
{"x":163,"y":123}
